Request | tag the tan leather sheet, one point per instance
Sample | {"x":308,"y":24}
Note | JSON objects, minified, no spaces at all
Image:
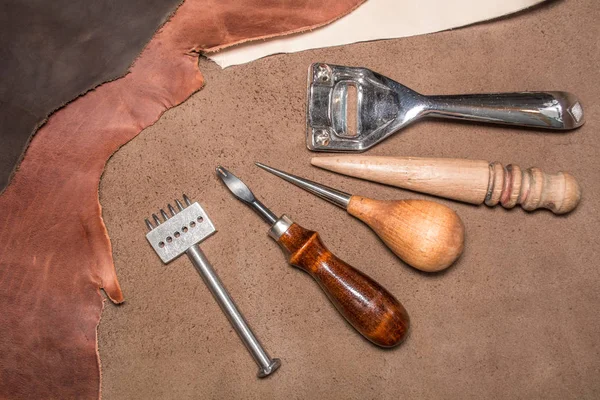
{"x":516,"y":318}
{"x":54,"y":250}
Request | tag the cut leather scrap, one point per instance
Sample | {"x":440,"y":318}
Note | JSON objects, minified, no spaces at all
{"x":52,"y":52}
{"x":380,"y":19}
{"x":54,"y":250}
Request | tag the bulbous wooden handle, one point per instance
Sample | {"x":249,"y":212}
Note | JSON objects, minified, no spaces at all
{"x":426,"y":235}
{"x":532,"y":189}
{"x":365,"y":304}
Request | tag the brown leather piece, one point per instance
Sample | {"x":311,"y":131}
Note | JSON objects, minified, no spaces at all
{"x":54,"y":250}
{"x":52,"y":52}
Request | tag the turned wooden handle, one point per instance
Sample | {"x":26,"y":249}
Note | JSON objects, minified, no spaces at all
{"x":471,"y":181}
{"x":532,"y":189}
{"x":365,"y":304}
{"x":427,"y":235}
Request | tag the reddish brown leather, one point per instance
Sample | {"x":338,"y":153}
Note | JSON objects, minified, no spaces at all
{"x":54,"y":250}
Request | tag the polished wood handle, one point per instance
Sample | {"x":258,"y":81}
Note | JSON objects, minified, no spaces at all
{"x":471,"y":181}
{"x":365,"y":304}
{"x":427,"y":235}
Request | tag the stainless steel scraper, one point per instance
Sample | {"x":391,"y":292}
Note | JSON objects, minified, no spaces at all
{"x":352,"y":109}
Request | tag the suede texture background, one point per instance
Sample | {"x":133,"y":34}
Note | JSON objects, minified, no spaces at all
{"x":516,"y":317}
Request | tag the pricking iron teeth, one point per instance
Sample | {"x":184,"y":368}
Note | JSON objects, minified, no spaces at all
{"x":181,"y":232}
{"x":383,"y":106}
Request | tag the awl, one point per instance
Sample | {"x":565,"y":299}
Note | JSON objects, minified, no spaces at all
{"x":364,"y":303}
{"x":427,"y":235}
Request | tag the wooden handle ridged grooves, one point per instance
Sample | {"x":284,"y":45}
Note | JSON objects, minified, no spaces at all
{"x":471,"y":181}
{"x":532,"y":189}
{"x":365,"y":304}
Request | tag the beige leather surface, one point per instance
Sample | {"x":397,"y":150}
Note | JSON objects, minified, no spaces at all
{"x":516,"y":317}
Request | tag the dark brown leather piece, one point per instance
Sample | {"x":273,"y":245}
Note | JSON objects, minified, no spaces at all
{"x":52,"y":52}
{"x":54,"y":250}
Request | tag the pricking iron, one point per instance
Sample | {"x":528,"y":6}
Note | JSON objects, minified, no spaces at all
{"x":352,"y":109}
{"x":181,"y":232}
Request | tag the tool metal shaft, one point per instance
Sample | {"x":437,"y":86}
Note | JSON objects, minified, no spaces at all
{"x":264,"y":212}
{"x":266,"y":364}
{"x":337,"y":197}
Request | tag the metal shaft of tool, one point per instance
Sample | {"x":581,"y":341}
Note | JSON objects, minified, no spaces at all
{"x":210,"y":277}
{"x":264,"y":212}
{"x":337,"y":197}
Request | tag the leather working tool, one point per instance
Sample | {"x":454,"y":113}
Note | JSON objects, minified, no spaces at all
{"x":426,"y":235}
{"x":383,"y":106}
{"x":471,"y":181}
{"x":365,"y":304}
{"x":181,"y":232}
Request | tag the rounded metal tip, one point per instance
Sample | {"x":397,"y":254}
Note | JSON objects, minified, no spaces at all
{"x":221,"y":171}
{"x":187,"y":200}
{"x":274,"y":366}
{"x":171,"y":210}
{"x":156,"y":220}
{"x":148,"y":224}
{"x":179,"y":205}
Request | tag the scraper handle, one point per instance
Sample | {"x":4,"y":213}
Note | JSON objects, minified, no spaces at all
{"x":549,"y":110}
{"x":365,"y":304}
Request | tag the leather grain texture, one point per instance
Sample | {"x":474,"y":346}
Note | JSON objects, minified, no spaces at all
{"x":55,"y":254}
{"x":516,"y":318}
{"x":54,"y":51}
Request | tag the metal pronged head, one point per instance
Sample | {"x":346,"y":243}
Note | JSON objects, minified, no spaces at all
{"x":183,"y":229}
{"x":235,"y":185}
{"x":164,"y":215}
{"x":243,"y":193}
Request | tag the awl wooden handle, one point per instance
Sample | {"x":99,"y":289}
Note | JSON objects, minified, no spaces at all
{"x":365,"y":304}
{"x":427,"y":235}
{"x":471,"y":181}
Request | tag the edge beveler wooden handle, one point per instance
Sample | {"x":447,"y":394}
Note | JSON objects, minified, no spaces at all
{"x":364,"y":303}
